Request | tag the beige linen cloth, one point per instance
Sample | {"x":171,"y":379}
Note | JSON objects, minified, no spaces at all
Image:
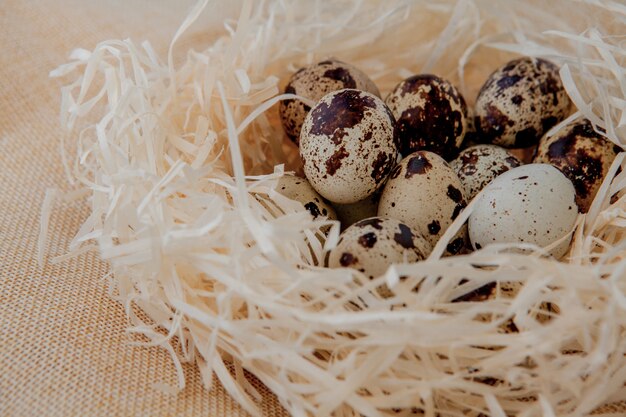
{"x":63,"y":347}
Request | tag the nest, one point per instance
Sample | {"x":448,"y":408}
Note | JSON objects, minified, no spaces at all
{"x":179,"y":158}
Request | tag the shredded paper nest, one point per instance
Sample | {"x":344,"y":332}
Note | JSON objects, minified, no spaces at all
{"x":178,"y":159}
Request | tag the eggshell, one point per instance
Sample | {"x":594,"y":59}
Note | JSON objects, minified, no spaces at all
{"x":431,"y":115}
{"x":505,"y":290}
{"x":532,"y":203}
{"x":348,"y":145}
{"x":583,"y":155}
{"x":479,"y":165}
{"x":314,"y":82}
{"x":519,"y":102}
{"x":299,"y":189}
{"x":349,"y":214}
{"x":491,"y":291}
{"x":424,"y":192}
{"x":372,"y":245}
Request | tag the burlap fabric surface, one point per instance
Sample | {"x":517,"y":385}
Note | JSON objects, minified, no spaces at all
{"x":63,"y":346}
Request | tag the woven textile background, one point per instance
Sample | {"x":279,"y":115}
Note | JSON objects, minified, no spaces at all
{"x":63,"y":347}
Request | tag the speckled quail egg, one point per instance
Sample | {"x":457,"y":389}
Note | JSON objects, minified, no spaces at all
{"x":491,"y":291}
{"x":430,"y":114}
{"x":349,"y":214}
{"x":504,"y":290}
{"x":532,"y":203}
{"x":372,"y":245}
{"x":519,"y":102}
{"x":424,"y":192}
{"x":479,"y":165}
{"x":348,"y":145}
{"x":582,"y":154}
{"x":314,"y":82}
{"x":299,"y":189}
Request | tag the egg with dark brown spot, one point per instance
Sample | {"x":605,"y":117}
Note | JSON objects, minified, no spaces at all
{"x":519,"y":102}
{"x":424,"y":192}
{"x":372,"y":245}
{"x":299,"y":189}
{"x":491,"y":291}
{"x":582,"y":154}
{"x":314,"y":82}
{"x":431,"y":115}
{"x":502,"y":290}
{"x":479,"y":165}
{"x":348,"y":145}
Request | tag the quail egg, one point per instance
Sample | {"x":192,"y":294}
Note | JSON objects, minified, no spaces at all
{"x":491,"y":291}
{"x":299,"y":189}
{"x":424,"y":192}
{"x":505,"y":290}
{"x":479,"y":165}
{"x":583,"y":155}
{"x":372,"y":245}
{"x":348,"y":145}
{"x":314,"y":82}
{"x":519,"y":103}
{"x":431,"y":115}
{"x":533,"y":203}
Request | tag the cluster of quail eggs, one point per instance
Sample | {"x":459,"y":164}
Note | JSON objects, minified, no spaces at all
{"x":397,"y":172}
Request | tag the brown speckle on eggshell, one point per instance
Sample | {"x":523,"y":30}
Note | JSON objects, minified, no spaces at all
{"x":431,"y":115}
{"x":479,"y":165}
{"x":314,"y":82}
{"x":582,"y":154}
{"x":348,"y":145}
{"x":424,"y":192}
{"x":519,"y":102}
